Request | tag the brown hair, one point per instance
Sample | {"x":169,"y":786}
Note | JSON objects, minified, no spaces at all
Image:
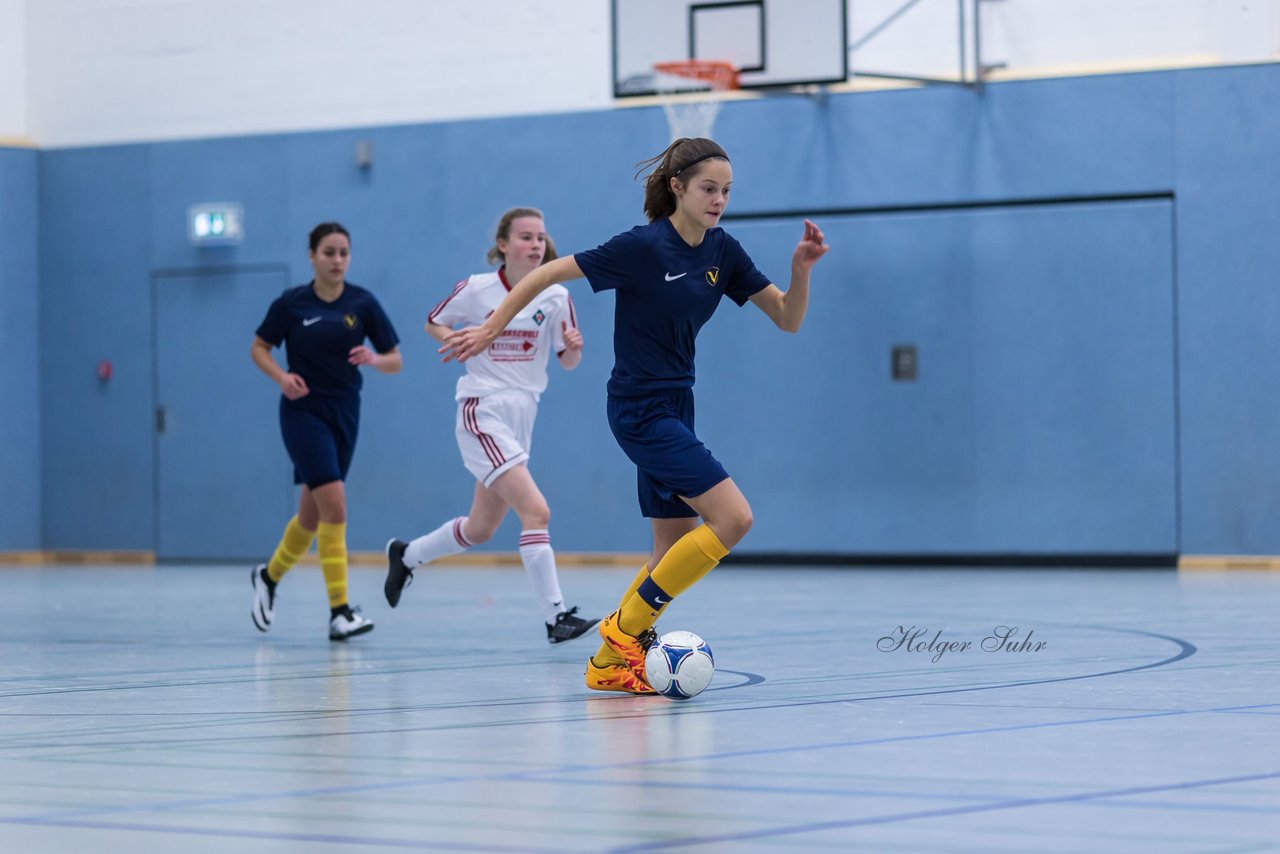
{"x":681,"y":160}
{"x":495,"y":255}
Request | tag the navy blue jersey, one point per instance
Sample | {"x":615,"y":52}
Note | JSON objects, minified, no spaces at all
{"x":318,"y":335}
{"x":667,"y":290}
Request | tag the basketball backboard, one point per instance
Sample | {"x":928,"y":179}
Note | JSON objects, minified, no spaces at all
{"x":774,"y":43}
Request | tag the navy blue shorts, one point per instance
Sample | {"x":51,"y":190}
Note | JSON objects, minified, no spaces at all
{"x":320,"y":436}
{"x":656,"y":433}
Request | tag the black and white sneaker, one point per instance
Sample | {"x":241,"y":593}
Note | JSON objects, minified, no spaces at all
{"x":569,"y":626}
{"x":347,"y":622}
{"x":399,"y":573}
{"x":264,"y":597}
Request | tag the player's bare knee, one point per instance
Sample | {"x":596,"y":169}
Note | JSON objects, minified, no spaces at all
{"x":477,"y":531}
{"x":333,"y":516}
{"x":742,"y":524}
{"x":536,"y":517}
{"x":733,"y":526}
{"x":479,"y":535}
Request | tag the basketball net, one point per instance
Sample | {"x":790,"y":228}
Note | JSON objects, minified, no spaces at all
{"x":689,"y":91}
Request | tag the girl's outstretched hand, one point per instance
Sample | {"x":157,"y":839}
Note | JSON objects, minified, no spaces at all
{"x":810,"y":248}
{"x":462,"y":344}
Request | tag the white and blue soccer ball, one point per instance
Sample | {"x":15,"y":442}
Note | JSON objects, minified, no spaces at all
{"x":679,"y":665}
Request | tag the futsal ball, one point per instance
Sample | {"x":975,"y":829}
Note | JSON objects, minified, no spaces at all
{"x":679,"y":665}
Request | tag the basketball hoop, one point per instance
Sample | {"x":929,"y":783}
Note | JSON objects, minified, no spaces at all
{"x":689,"y":90}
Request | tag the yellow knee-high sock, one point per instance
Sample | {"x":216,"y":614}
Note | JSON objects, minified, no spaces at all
{"x":605,"y":655}
{"x":333,"y":561}
{"x":691,"y":557}
{"x":635,"y":584}
{"x":295,"y":543}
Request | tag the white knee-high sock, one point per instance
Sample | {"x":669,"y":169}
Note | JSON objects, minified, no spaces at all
{"x":446,"y":540}
{"x":540,"y":565}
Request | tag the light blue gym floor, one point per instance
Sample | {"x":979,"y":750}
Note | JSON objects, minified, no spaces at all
{"x":141,"y":711}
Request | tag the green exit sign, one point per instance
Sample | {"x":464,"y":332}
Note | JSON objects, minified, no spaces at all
{"x":215,"y":223}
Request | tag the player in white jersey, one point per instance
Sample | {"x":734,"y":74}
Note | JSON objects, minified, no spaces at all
{"x":497,"y":404}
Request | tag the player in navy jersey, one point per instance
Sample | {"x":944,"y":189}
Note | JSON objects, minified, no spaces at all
{"x":323,"y":326}
{"x":497,"y":404}
{"x":669,"y":277}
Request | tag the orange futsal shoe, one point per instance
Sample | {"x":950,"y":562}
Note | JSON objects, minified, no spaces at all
{"x":631,"y":648}
{"x":616,"y":677}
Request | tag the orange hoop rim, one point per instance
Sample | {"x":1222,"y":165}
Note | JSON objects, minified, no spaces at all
{"x":719,"y":74}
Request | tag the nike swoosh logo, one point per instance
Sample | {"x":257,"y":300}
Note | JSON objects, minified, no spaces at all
{"x":671,"y":278}
{"x":311,"y":321}
{"x":658,"y":600}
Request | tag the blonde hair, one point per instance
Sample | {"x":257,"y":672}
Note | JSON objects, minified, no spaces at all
{"x":495,"y":256}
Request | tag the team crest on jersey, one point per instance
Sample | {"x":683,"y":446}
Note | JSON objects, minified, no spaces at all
{"x":350,"y":320}
{"x":538,"y":317}
{"x":713,"y":276}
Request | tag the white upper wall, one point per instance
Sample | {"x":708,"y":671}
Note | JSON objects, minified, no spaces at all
{"x":13,"y":72}
{"x":104,"y":71}
{"x":1033,"y":37}
{"x":123,"y":70}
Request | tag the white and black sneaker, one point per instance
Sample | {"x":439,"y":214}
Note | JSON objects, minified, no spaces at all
{"x":399,"y":573}
{"x":347,"y":622}
{"x":264,"y":597}
{"x":569,"y":625}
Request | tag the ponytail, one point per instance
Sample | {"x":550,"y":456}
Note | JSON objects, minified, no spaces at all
{"x":680,"y":160}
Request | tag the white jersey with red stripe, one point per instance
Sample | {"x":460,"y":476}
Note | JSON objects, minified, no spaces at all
{"x":518,"y":358}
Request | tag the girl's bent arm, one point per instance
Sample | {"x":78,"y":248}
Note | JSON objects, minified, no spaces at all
{"x":261,"y":353}
{"x":390,"y":362}
{"x":465,"y":343}
{"x":787,"y":310}
{"x":292,"y":386}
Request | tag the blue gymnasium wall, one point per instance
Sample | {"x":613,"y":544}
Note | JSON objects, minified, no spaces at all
{"x":1081,"y":263}
{"x":20,"y":378}
{"x":1228,"y":178}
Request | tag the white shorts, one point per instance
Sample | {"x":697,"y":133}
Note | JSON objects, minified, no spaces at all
{"x":495,"y":432}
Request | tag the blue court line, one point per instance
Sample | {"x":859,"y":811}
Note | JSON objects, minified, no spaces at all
{"x":752,"y":679}
{"x":301,"y":673}
{"x":1186,"y":650}
{"x":829,"y":791}
{"x":816,"y":827}
{"x":767,"y":751}
{"x":1249,"y":712}
{"x":335,"y":839}
{"x":537,"y":775}
{"x":311,"y":715}
{"x":789,"y":830}
{"x":1173,"y":805}
{"x":556,"y":774}
{"x":667,"y":785}
{"x":175,"y":682}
